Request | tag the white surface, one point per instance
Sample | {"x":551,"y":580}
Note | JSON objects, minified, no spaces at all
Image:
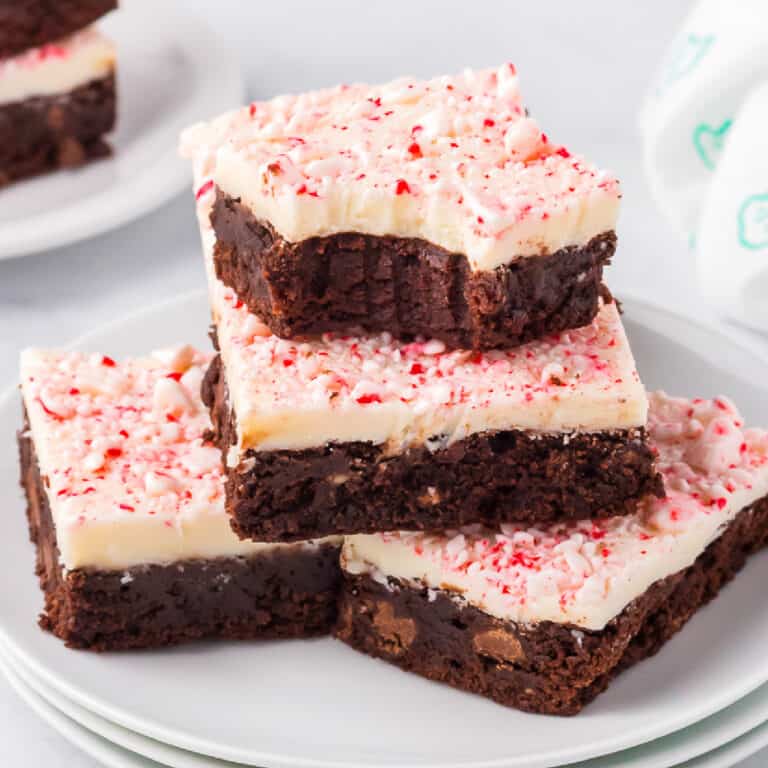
{"x":46,"y":299}
{"x":726,"y":728}
{"x":163,"y":84}
{"x":358,"y":718}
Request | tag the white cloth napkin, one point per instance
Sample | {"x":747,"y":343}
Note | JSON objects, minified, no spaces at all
{"x":705,"y":133}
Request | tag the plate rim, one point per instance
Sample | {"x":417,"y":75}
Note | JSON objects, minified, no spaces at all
{"x":6,"y":654}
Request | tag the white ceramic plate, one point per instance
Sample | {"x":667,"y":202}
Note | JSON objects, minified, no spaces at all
{"x":697,"y":740}
{"x":172,"y":71}
{"x":105,"y":752}
{"x":317,"y":703}
{"x":112,"y":755}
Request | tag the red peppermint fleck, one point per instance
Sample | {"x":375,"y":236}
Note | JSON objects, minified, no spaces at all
{"x":454,"y":145}
{"x":123,"y":433}
{"x":63,"y":492}
{"x":170,"y":417}
{"x":89,"y":489}
{"x":563,"y":152}
{"x":203,"y":189}
{"x":176,"y":376}
{"x":402,"y":187}
{"x":416,"y":369}
{"x":302,"y":190}
{"x":114,"y":453}
{"x":416,"y":129}
{"x":596,"y":533}
{"x":544,"y":138}
{"x":287,"y":363}
{"x":51,"y":51}
{"x":49,"y":412}
{"x":126,"y":507}
{"x":743,"y":448}
{"x":108,"y":361}
{"x":721,"y":503}
{"x":488,"y":123}
{"x":366,"y":399}
{"x":415,"y":150}
{"x":252,"y":110}
{"x":74,"y":391}
{"x":605,"y":552}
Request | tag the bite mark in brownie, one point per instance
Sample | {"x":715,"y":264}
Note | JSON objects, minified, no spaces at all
{"x":485,"y":478}
{"x":46,"y":133}
{"x":30,"y":23}
{"x":406,"y":286}
{"x":406,"y":207}
{"x":545,"y":668}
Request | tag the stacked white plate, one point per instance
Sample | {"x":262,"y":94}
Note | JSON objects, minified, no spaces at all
{"x":317,"y":703}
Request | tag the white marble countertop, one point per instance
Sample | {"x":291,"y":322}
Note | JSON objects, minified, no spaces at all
{"x":605,"y":55}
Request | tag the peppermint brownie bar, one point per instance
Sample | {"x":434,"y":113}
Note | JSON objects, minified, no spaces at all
{"x":57,"y":102}
{"x":28,"y":24}
{"x":362,"y":434}
{"x":126,"y":508}
{"x":543,"y":619}
{"x":434,"y":208}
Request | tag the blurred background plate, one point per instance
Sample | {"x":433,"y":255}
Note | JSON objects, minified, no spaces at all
{"x":172,"y":71}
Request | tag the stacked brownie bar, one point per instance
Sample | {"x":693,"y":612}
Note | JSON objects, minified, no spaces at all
{"x":57,"y":86}
{"x":126,"y":508}
{"x":544,"y":618}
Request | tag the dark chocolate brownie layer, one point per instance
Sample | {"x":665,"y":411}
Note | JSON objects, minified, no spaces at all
{"x":29,"y":23}
{"x":49,"y":132}
{"x":271,"y":595}
{"x":405,"y":286}
{"x":545,"y":668}
{"x":488,"y":478}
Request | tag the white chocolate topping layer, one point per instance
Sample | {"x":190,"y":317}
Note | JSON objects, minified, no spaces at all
{"x":56,"y":68}
{"x":586,"y":573}
{"x":453,"y":160}
{"x":128,"y":478}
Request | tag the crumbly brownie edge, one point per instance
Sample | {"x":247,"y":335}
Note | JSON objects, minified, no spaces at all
{"x":47,"y":133}
{"x":487,"y":478}
{"x":405,"y":286}
{"x":30,"y":23}
{"x":270,"y":595}
{"x":544,"y":668}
